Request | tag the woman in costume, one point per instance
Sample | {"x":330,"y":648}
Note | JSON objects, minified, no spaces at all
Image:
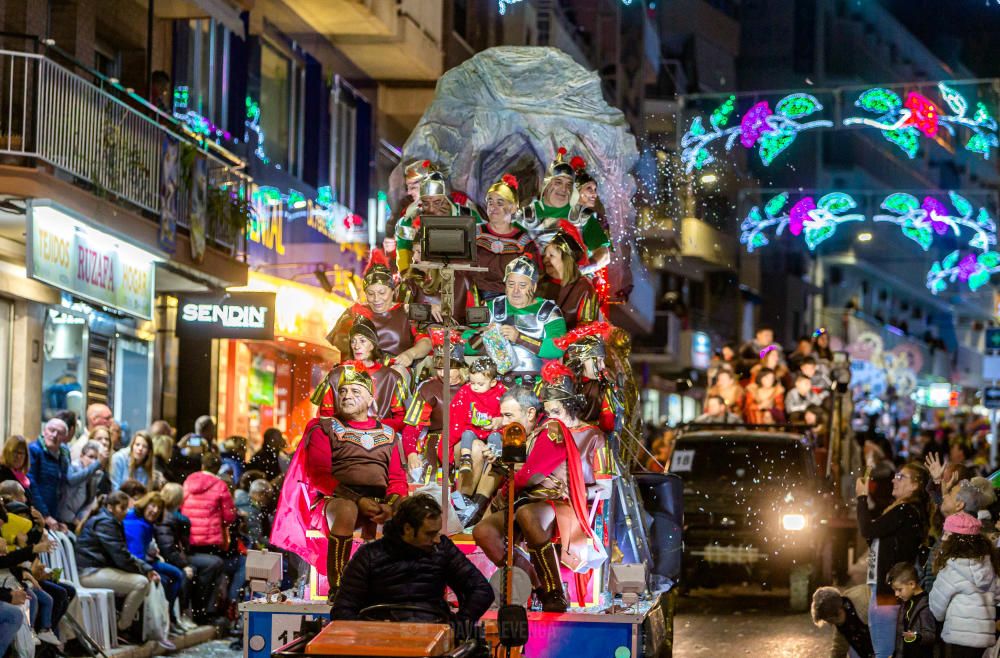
{"x":501,"y":239}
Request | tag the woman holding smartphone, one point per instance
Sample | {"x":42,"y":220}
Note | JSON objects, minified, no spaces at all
{"x":893,"y":536}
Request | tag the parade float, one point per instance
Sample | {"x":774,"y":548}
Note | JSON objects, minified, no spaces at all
{"x":516,"y":109}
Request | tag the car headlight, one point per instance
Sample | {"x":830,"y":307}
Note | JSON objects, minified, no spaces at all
{"x":793,"y":522}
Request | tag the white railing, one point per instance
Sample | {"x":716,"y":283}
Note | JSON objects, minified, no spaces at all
{"x":54,"y":116}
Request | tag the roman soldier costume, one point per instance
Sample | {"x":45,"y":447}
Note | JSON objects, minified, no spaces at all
{"x":562,"y":463}
{"x":541,"y":220}
{"x":537,"y":325}
{"x":390,"y":383}
{"x":497,"y":250}
{"x":424,"y":421}
{"x":577,"y":299}
{"x":432,"y":184}
{"x":602,"y":403}
{"x":351,"y":460}
{"x":586,"y":220}
{"x":395,"y":332}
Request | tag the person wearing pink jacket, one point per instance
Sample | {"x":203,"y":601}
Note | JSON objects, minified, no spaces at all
{"x":209,"y":505}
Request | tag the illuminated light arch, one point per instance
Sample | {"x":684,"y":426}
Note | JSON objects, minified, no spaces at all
{"x":903,"y":119}
{"x":771,"y":132}
{"x":902,"y":122}
{"x":920,"y":221}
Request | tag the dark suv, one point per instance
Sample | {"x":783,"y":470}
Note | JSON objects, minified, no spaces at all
{"x":755,"y":508}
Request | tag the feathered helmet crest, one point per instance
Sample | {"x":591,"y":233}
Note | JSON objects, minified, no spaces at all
{"x":558,"y":382}
{"x":584,"y":342}
{"x":558,"y":168}
{"x":418,"y":169}
{"x":378,"y":270}
{"x":580,"y":174}
{"x":354,"y":372}
{"x":506,"y":187}
{"x":569,"y":241}
{"x":456,"y":347}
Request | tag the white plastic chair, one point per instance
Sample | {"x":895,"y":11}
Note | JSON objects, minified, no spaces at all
{"x":97,"y":605}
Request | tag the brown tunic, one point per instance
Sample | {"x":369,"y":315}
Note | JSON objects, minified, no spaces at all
{"x":429,"y":399}
{"x":577,"y":301}
{"x":395,"y":333}
{"x":359,"y":457}
{"x":495,"y":250}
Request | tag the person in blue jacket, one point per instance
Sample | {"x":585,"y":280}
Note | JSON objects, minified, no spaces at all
{"x":140,"y":527}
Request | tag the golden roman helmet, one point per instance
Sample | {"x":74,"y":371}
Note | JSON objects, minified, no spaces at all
{"x":353,"y":372}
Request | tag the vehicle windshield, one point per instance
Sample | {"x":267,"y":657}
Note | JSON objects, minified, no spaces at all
{"x":739,"y":461}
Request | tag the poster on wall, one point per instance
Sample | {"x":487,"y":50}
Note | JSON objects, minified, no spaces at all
{"x":169,"y":174}
{"x":66,"y":252}
{"x":198,"y":208}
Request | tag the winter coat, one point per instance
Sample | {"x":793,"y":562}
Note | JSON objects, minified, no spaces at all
{"x":101,"y":545}
{"x":963,"y":598}
{"x":82,"y":483}
{"x":900,"y":532}
{"x":391,"y":571}
{"x":915,"y":615}
{"x":173,"y":538}
{"x":138,"y":534}
{"x":209,"y":506}
{"x":48,"y":477}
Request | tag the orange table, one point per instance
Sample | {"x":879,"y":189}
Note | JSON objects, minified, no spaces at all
{"x":381,"y":638}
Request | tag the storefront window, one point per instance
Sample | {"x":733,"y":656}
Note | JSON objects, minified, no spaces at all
{"x":133,"y":367}
{"x":262,"y":374}
{"x":64,"y":368}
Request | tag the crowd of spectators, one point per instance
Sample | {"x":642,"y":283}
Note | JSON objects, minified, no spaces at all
{"x":757,"y":384}
{"x":151,"y":509}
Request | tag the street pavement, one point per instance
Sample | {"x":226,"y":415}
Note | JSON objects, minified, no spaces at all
{"x":737,"y":621}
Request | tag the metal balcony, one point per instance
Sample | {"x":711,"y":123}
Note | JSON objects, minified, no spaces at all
{"x":50,"y":116}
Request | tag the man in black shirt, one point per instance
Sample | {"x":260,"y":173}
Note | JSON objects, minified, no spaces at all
{"x":411,"y":565}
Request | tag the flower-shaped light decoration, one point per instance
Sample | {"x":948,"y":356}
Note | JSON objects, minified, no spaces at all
{"x":816,"y":221}
{"x":921,"y":221}
{"x":770,"y":132}
{"x":903,"y":123}
{"x":973,"y":269}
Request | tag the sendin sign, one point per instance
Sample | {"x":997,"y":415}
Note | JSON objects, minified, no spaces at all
{"x":84,"y":261}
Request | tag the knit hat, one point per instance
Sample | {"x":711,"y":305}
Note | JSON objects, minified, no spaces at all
{"x":962,"y":524}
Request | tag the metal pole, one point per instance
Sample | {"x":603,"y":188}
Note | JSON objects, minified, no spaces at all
{"x":445,"y":440}
{"x":993,"y":436}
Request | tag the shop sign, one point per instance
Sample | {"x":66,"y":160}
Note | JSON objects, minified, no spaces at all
{"x":70,"y":254}
{"x":238,"y":315}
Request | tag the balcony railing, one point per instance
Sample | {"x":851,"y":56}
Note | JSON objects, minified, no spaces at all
{"x":51,"y":115}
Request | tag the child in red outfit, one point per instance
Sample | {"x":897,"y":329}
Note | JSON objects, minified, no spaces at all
{"x":475,"y":411}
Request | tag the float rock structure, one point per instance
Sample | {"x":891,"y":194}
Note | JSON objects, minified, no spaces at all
{"x":508,"y":109}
